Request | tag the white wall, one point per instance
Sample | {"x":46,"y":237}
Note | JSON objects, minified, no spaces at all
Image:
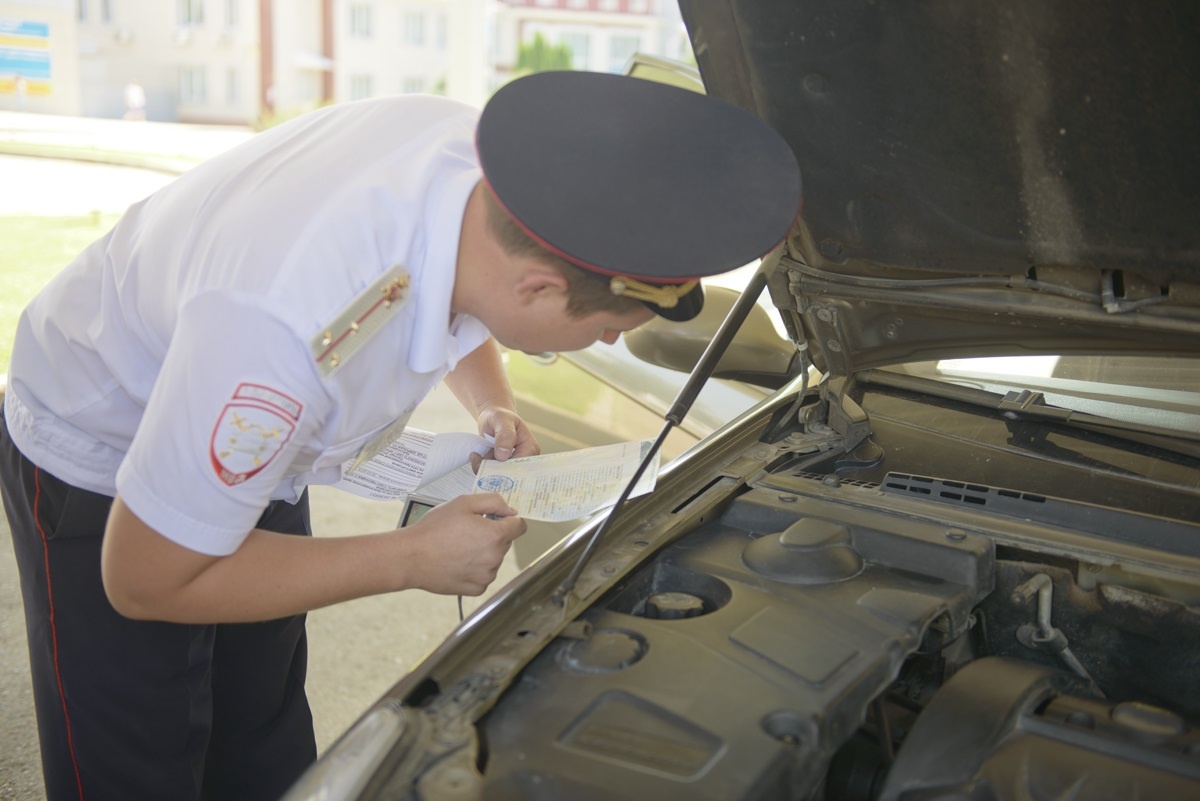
{"x":297,"y":42}
{"x":146,"y":42}
{"x":406,"y":50}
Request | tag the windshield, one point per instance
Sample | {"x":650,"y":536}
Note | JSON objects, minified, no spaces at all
{"x":1153,"y":390}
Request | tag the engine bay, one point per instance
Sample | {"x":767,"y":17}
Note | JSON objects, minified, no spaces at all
{"x":812,"y":642}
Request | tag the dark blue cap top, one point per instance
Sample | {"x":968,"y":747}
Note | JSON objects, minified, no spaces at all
{"x":630,"y":178}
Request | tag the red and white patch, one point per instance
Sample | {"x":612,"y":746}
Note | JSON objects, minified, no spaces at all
{"x":254,"y":427}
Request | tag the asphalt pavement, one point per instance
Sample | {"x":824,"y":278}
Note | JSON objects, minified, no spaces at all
{"x":358,"y":649}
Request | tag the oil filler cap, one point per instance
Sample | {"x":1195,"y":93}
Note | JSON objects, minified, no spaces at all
{"x":673,"y":606}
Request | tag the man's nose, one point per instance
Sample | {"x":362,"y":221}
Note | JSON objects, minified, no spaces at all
{"x":609,"y":336}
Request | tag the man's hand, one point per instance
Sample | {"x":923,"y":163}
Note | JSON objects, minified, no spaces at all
{"x":512,"y":437}
{"x":460,"y":550}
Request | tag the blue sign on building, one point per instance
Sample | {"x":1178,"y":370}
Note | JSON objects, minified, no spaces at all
{"x":24,"y":49}
{"x":20,"y":27}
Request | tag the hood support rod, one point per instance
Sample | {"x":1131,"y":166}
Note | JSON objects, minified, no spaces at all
{"x":683,"y":402}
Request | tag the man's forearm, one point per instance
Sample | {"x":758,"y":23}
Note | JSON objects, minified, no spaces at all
{"x":479,"y":380}
{"x":271,"y":575}
{"x":455,"y":549}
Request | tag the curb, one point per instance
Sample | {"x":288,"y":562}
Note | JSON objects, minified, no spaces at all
{"x":146,"y":161}
{"x":168,"y":147}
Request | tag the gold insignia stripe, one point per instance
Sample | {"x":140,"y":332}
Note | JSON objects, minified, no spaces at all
{"x":354,"y":325}
{"x":665,"y":295}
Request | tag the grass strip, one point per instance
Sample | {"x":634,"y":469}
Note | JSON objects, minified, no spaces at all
{"x":32,"y":251}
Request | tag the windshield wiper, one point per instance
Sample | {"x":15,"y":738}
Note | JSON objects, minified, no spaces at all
{"x":1030,"y":405}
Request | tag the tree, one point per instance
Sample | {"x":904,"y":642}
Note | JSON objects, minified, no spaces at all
{"x":541,"y":56}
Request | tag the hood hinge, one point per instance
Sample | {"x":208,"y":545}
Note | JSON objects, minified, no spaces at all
{"x":843,"y":414}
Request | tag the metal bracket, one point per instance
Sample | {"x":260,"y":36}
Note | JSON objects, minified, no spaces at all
{"x":845,"y":416}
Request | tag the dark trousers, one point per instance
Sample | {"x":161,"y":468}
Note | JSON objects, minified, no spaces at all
{"x":131,"y":710}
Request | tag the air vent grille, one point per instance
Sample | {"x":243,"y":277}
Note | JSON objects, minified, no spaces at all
{"x":944,"y":490}
{"x":841,"y":481}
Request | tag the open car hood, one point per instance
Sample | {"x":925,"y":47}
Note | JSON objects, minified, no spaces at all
{"x":976,"y":175}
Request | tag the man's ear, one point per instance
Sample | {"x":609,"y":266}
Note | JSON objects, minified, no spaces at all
{"x":538,"y":281}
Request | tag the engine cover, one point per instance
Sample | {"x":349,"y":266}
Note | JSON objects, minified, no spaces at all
{"x":736,"y":663}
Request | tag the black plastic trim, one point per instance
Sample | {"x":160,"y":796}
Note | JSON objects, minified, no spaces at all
{"x":1118,"y":525}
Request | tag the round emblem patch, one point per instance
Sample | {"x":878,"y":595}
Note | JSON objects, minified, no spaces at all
{"x":249,"y":435}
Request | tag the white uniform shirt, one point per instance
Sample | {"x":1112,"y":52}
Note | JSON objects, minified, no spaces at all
{"x":171,"y":361}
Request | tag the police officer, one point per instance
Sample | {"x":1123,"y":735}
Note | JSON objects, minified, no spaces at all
{"x":274,"y":315}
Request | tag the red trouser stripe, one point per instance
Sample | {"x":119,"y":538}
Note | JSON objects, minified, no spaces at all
{"x":37,"y":494}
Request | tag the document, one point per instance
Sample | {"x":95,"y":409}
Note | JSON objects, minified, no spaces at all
{"x":415,"y":458}
{"x":564,"y":486}
{"x":552,"y":487}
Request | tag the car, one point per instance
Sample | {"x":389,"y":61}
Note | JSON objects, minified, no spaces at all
{"x":953,"y":551}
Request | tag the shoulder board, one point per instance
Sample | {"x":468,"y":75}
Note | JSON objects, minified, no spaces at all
{"x":354,"y":325}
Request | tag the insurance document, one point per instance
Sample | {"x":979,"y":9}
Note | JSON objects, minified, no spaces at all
{"x":415,"y":458}
{"x":565,"y":486}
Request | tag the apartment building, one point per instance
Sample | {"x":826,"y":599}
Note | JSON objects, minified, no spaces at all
{"x":236,"y":61}
{"x":601,"y":35}
{"x":245,"y":61}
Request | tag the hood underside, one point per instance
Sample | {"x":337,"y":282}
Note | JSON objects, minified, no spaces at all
{"x":979,"y":179}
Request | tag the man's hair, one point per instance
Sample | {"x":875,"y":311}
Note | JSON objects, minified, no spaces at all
{"x":586,"y":293}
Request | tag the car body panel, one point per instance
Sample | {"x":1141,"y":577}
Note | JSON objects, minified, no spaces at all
{"x":999,"y":134}
{"x":1004,"y":150}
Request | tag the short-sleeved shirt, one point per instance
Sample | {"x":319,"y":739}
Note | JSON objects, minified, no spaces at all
{"x":172,"y":362}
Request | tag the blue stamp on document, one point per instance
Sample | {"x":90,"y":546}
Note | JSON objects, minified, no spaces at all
{"x":495,"y":484}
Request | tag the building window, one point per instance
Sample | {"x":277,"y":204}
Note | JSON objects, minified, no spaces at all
{"x":412,"y":83}
{"x":232,"y":87}
{"x":231,"y":14}
{"x":414,"y":28}
{"x":192,"y":89}
{"x":580,"y":46}
{"x":106,"y":12}
{"x":579,"y":4}
{"x":360,"y":20}
{"x":620,"y":48}
{"x":439,"y":31}
{"x":608,"y":5}
{"x":190,"y":13}
{"x":361,"y":87}
{"x":81,"y":10}
{"x":639,"y":6}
